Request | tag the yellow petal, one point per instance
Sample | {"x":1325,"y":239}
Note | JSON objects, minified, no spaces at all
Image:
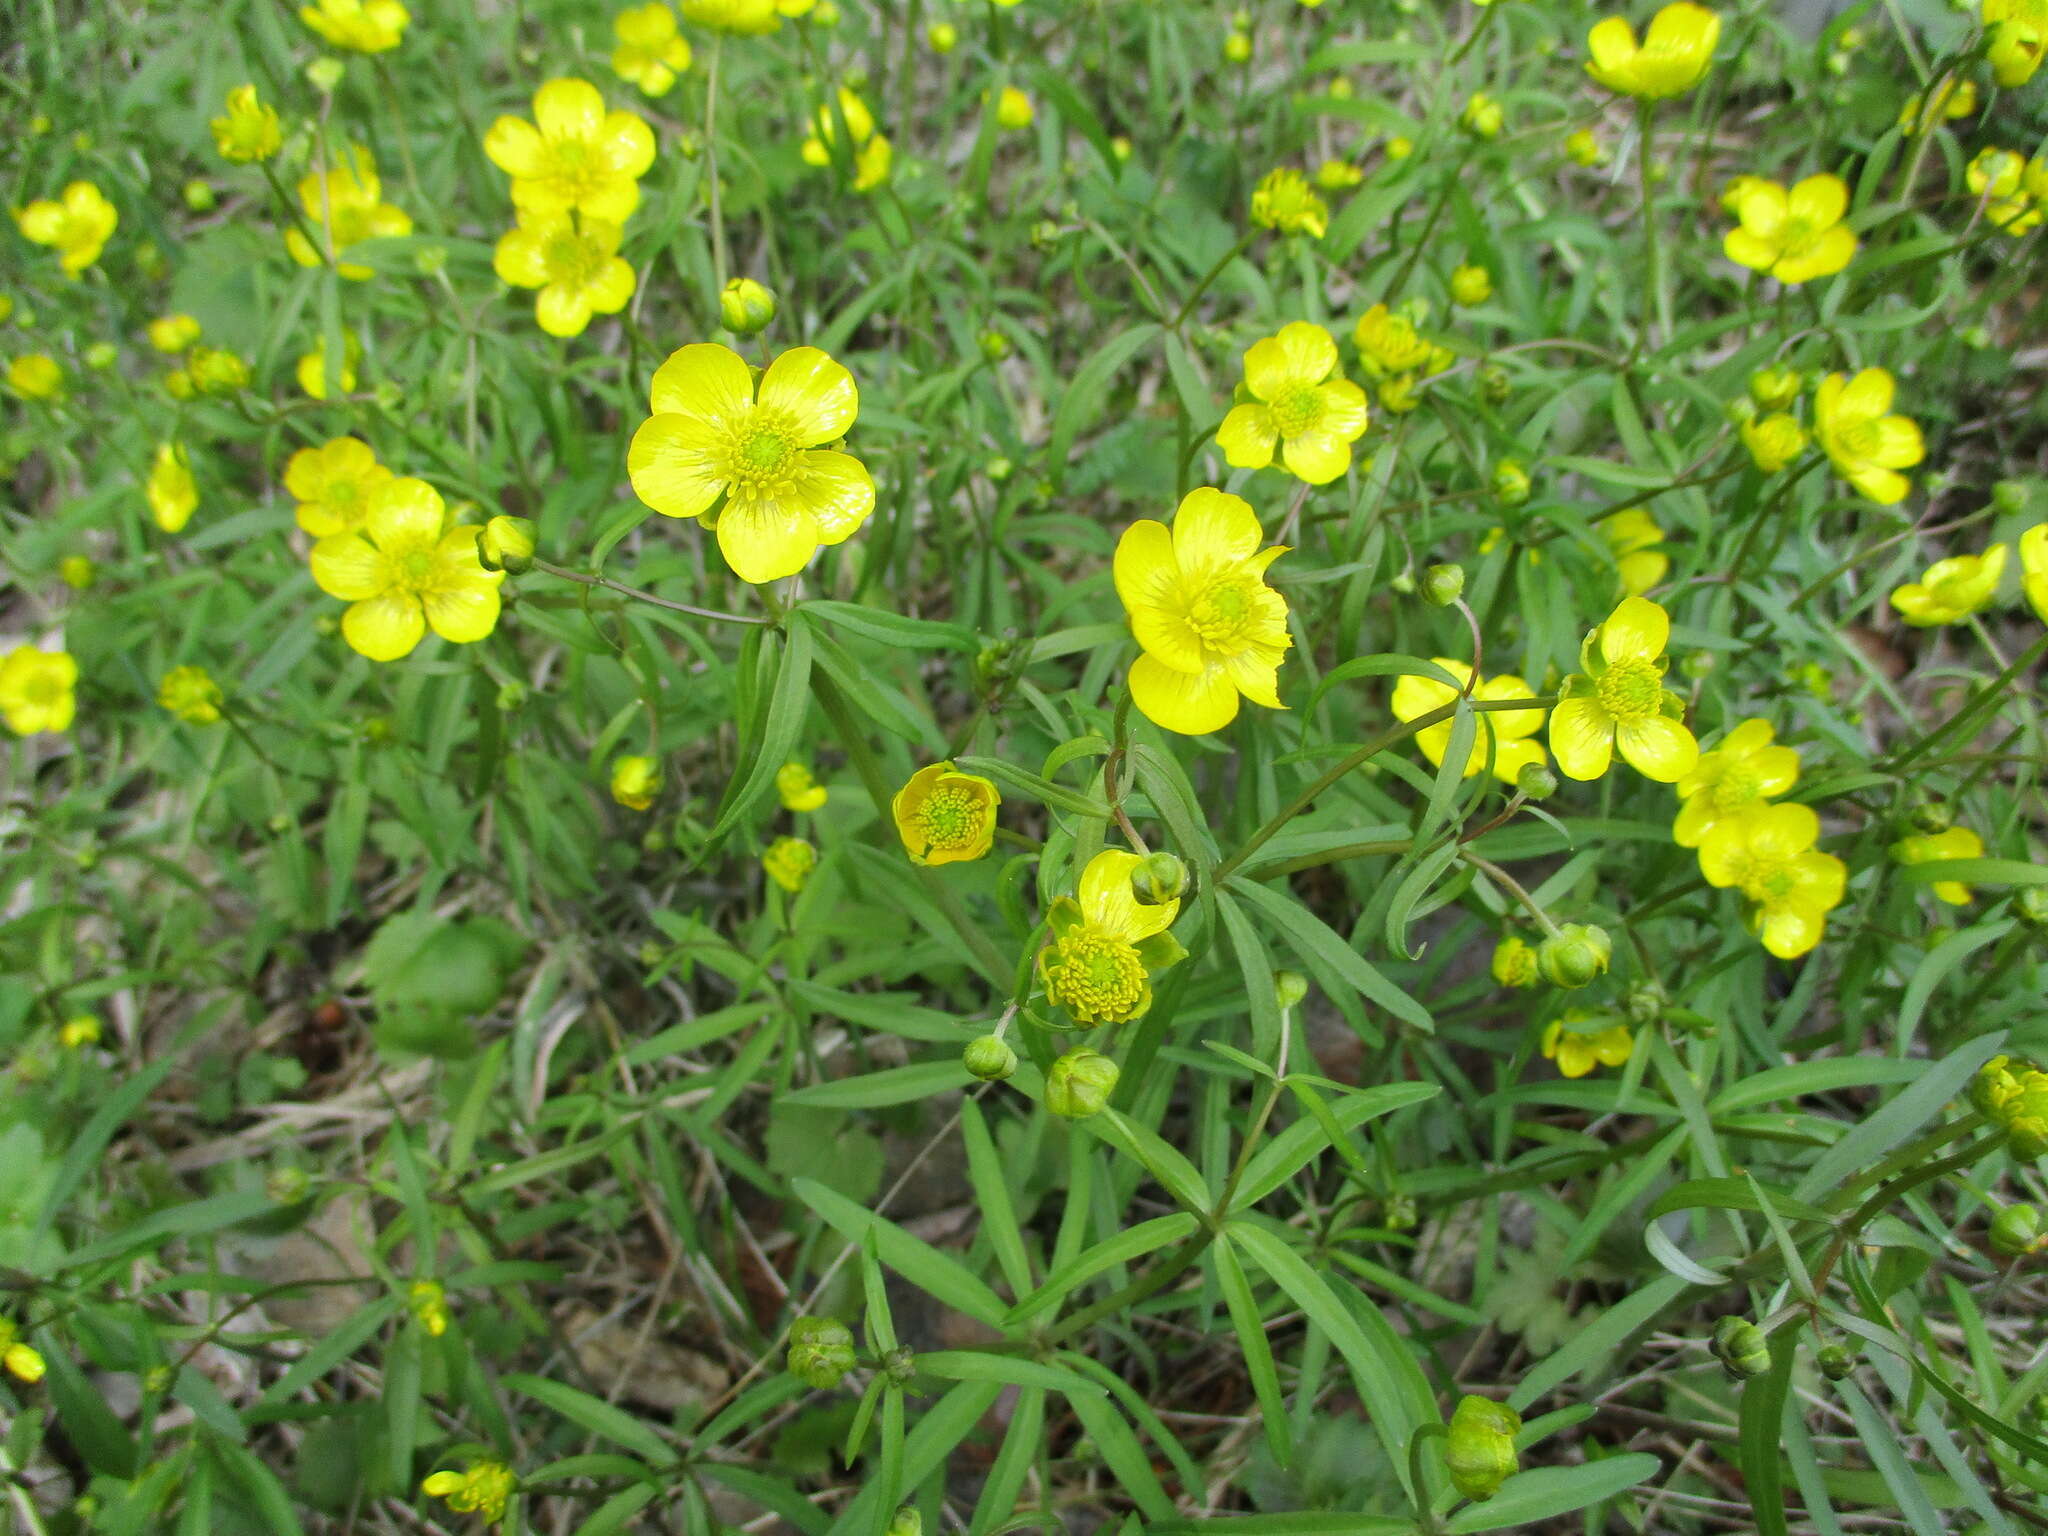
{"x":1637,"y":629}
{"x":1214,"y":528}
{"x":1301,"y":354}
{"x":347,"y":567}
{"x":384,"y":628}
{"x":703,"y":379}
{"x":765,"y":540}
{"x":515,"y":148}
{"x":569,"y":109}
{"x":562,"y":310}
{"x":837,"y":491}
{"x":1581,"y":738}
{"x":817,"y":395}
{"x":1658,"y":748}
{"x":628,"y":144}
{"x":521,"y":257}
{"x":1247,"y":437}
{"x":1317,"y":457}
{"x":405,"y":514}
{"x":1190,"y":703}
{"x":464,"y":612}
{"x":1144,"y":566}
{"x":1819,"y":201}
{"x":674,"y":466}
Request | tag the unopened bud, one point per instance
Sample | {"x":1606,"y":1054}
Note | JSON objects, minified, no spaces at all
{"x":943,"y":36}
{"x":1930,"y":816}
{"x":1289,"y":988}
{"x":1480,"y":1451}
{"x":900,"y":1364}
{"x":199,"y":196}
{"x":325,"y":73}
{"x":1443,"y":585}
{"x":1494,"y":385}
{"x":989,"y":1058}
{"x":2016,"y":1232}
{"x":2030,"y":905}
{"x":1774,"y":388}
{"x":1741,"y":1347}
{"x":907,"y":1522}
{"x":1836,"y":1361}
{"x":1159,"y":878}
{"x":1535,"y":782}
{"x":1510,"y":483}
{"x":746,"y":306}
{"x":995,"y":346}
{"x":820,"y":1351}
{"x":1575,"y":955}
{"x":506,"y":544}
{"x":2010,"y":497}
{"x":1080,"y":1083}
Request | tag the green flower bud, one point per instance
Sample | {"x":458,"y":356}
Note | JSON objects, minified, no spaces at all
{"x":1740,"y":410}
{"x":1289,"y":988}
{"x":1402,"y":582}
{"x":101,"y":356}
{"x":995,"y":346}
{"x":989,"y":1058}
{"x":1494,"y":385}
{"x":900,"y":1364}
{"x":1741,"y":1347}
{"x":506,"y":544}
{"x":2029,"y":903}
{"x":2010,"y":497}
{"x":1930,"y":816}
{"x":2016,"y":1232}
{"x":908,"y":1522}
{"x":1400,"y":1214}
{"x":511,"y":696}
{"x":287,"y":1186}
{"x":1774,"y":388}
{"x":820,"y":1351}
{"x":1443,"y":585}
{"x":1535,"y":782}
{"x":325,"y":73}
{"x":1080,"y":1083}
{"x":998,"y":469}
{"x":1160,"y":878}
{"x":79,"y":572}
{"x":746,"y":306}
{"x":1514,"y":963}
{"x":1575,"y":955}
{"x":1480,"y":1453}
{"x":943,"y":36}
{"x":1836,"y":1361}
{"x":199,"y":196}
{"x":1510,"y":483}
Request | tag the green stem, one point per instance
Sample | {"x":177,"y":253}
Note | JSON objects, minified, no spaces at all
{"x":718,"y":257}
{"x":1653,"y":254}
{"x":1237,"y":250}
{"x":1436,"y":212}
{"x":1870,"y":1209}
{"x":645,"y":597}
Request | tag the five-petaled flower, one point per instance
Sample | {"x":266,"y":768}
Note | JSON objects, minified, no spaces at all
{"x":360,"y":26}
{"x":1501,"y":739}
{"x":483,"y":1488}
{"x":1284,"y":200}
{"x":248,"y":130}
{"x":35,"y":690}
{"x":334,"y":484}
{"x":75,"y":224}
{"x":1767,"y":853}
{"x":650,"y":53}
{"x":574,"y":155}
{"x":1579,"y":1051}
{"x":345,"y":206}
{"x":1618,"y":701}
{"x":574,"y":263}
{"x":945,"y":816}
{"x":1746,"y":769}
{"x":1952,"y":589}
{"x":1937,"y":847}
{"x":1793,"y":236}
{"x":406,"y":568}
{"x":1671,"y":59}
{"x":1866,"y":442}
{"x":1105,"y":948}
{"x":1299,"y":400}
{"x":870,"y":153}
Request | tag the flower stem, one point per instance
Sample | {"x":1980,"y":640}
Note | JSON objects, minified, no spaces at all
{"x":646,"y":597}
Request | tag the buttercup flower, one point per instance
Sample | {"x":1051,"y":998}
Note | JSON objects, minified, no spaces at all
{"x":1952,"y":589}
{"x":216,"y":370}
{"x":1618,"y":699}
{"x":573,"y":156}
{"x":789,"y":862}
{"x":1482,"y":116}
{"x":1210,"y":627}
{"x":872,"y":155}
{"x":650,"y":53}
{"x":2013,"y":1095}
{"x":1955,"y":97}
{"x":191,"y":694}
{"x":1746,"y":769}
{"x":428,"y":1302}
{"x":1338,"y":175}
{"x":785,"y":493}
{"x":1471,"y":285}
{"x":575,"y":266}
{"x":945,"y":816}
{"x":1514,"y":964}
{"x":36,"y":376}
{"x":2013,"y":189}
{"x":334,"y":485}
{"x":738,"y":16}
{"x":2034,"y":568}
{"x":1106,"y":947}
{"x":1503,"y":735}
{"x":797,"y":790}
{"x":1285,"y":201}
{"x":1671,"y":59}
{"x":635,"y":782}
{"x":311,"y":370}
{"x":345,"y":207}
{"x":76,"y":225}
{"x":1793,"y":236}
{"x":1868,"y":445}
{"x":484,"y":1488}
{"x":35,"y":690}
{"x":23,"y":1363}
{"x":1767,"y":853}
{"x":405,"y":568}
{"x":1636,"y":540}
{"x":1300,"y":399}
{"x":1933,"y":847}
{"x":1773,"y":441}
{"x":1578,"y":1051}
{"x":2016,"y":38}
{"x":74,"y":1034}
{"x":1388,"y":343}
{"x":248,"y":130}
{"x":1013,"y":109}
{"x":172,"y":493}
{"x":173,"y":333}
{"x":359,"y":26}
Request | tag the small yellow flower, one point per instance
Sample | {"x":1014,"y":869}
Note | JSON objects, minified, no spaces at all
{"x":1584,"y":148}
{"x":1671,"y":59}
{"x":1746,"y":769}
{"x":786,"y":493}
{"x":789,"y":862}
{"x":1514,"y":964}
{"x":345,"y":207}
{"x":1471,"y":285}
{"x":1237,"y":48}
{"x":172,"y":492}
{"x":311,"y":371}
{"x":2013,"y":189}
{"x":1767,"y":853}
{"x":429,"y":1304}
{"x":943,"y":36}
{"x":405,"y":568}
{"x":635,"y":782}
{"x":2017,"y":38}
{"x":574,"y":155}
{"x":1956,"y":97}
{"x":1773,"y":441}
{"x":1106,"y":947}
{"x":650,"y":53}
{"x":1933,"y":847}
{"x":485,"y":1488}
{"x":945,"y":816}
{"x":1868,"y":444}
{"x":173,"y":333}
{"x":1210,"y":628}
{"x":872,"y":154}
{"x":249,"y":130}
{"x":1338,"y":175}
{"x":577,"y":269}
{"x":1482,"y":116}
{"x":36,"y":376}
{"x":1013,"y":109}
{"x":1618,"y":699}
{"x":359,"y":26}
{"x":1284,"y":200}
{"x":190,"y":694}
{"x":216,"y":370}
{"x":737,"y":16}
{"x":1388,"y":343}
{"x":1636,"y":540}
{"x":76,"y":1033}
{"x":1793,"y":236}
{"x":35,"y":690}
{"x":1504,"y":735}
{"x":1400,"y":147}
{"x":798,"y":791}
{"x":334,"y":485}
{"x":76,"y":225}
{"x":78,"y":572}
{"x":1952,"y":589}
{"x":1577,"y":1052}
{"x":2034,"y":568}
{"x":1299,"y":400}
{"x":23,"y":1362}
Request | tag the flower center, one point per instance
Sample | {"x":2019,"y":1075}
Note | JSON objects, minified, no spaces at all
{"x":1631,"y":689}
{"x":1099,"y":976}
{"x":578,"y":171}
{"x":42,"y":690}
{"x":1857,"y":440}
{"x":1221,"y":612}
{"x":1798,"y":236}
{"x":949,"y":817}
{"x":413,"y":571}
{"x":1737,"y":788}
{"x":761,"y":452}
{"x":571,"y":260}
{"x":1297,"y":410}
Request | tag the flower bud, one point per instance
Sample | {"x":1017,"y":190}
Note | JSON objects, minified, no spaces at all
{"x":1535,"y":782}
{"x":1399,"y":1214}
{"x":1482,"y":117}
{"x":2010,"y":497}
{"x":1836,"y":1361}
{"x":325,"y":74}
{"x":287,"y":1186}
{"x":1480,"y":1452}
{"x":943,"y":36}
{"x":1494,"y":384}
{"x":1080,"y":1083}
{"x":1289,"y":988}
{"x":1930,"y":816}
{"x":1514,"y":963}
{"x":1774,"y":388}
{"x":78,"y":572}
{"x":995,"y":346}
{"x":908,"y":1522}
{"x":989,"y":1058}
{"x":635,"y":782}
{"x":1584,"y":148}
{"x":506,"y":544}
{"x":1443,"y":585}
{"x":746,"y":306}
{"x":1575,"y":955}
{"x":1400,"y":147}
{"x":2030,"y":905}
{"x":1159,"y":878}
{"x":2016,"y":1232}
{"x":1510,"y":483}
{"x":199,"y":196}
{"x":820,"y":1351}
{"x":1471,"y":285}
{"x":1237,"y":49}
{"x":1741,"y":1347}
{"x":998,"y":469}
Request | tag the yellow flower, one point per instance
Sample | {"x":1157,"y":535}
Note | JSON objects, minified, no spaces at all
{"x":1793,"y":236}
{"x":76,"y":225}
{"x":173,"y":333}
{"x":1671,"y":60}
{"x":1300,"y":400}
{"x":945,"y":816}
{"x":785,"y":492}
{"x":403,"y":569}
{"x":577,"y":269}
{"x":2034,"y":568}
{"x":1502,"y":734}
{"x":360,"y":26}
{"x":1482,"y":116}
{"x":1577,"y":1052}
{"x":635,"y":782}
{"x":1471,"y":285}
{"x":1618,"y":699}
{"x":1210,"y":627}
{"x":1105,"y":948}
{"x":1775,"y":388}
{"x":78,"y":572}
{"x":36,"y":376}
{"x":1584,"y":148}
{"x":1514,"y":964}
{"x":1955,"y":97}
{"x":1767,"y":853}
{"x":2013,"y":189}
{"x":334,"y":485}
{"x":943,"y":36}
{"x":738,"y":16}
{"x":1400,"y":147}
{"x":1747,"y":768}
{"x":1337,"y":175}
{"x":23,"y":1363}
{"x":216,"y":371}
{"x":1933,"y":847}
{"x":1952,"y":589}
{"x":650,"y":53}
{"x":485,"y":1488}
{"x":1388,"y":343}
{"x":2017,"y":37}
{"x":789,"y":862}
{"x":345,"y":206}
{"x":578,"y":157}
{"x":1773,"y":441}
{"x":1285,"y":201}
{"x":77,"y":1033}
{"x":429,"y":1304}
{"x":872,"y":155}
{"x":1013,"y":109}
{"x":249,"y":130}
{"x":311,"y":371}
{"x":1867,"y":444}
{"x":172,"y":492}
{"x":35,"y":690}
{"x":1635,"y":538}
{"x":190,"y":694}
{"x":797,"y":790}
